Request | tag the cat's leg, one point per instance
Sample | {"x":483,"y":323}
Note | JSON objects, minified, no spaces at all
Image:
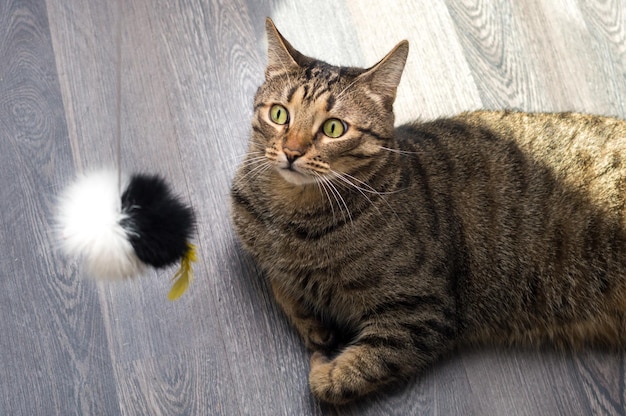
{"x":316,"y":336}
{"x":380,"y":355}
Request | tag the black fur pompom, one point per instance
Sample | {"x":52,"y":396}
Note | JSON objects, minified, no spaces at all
{"x":158,"y":224}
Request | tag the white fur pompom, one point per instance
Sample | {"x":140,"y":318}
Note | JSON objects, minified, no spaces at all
{"x":89,"y":218}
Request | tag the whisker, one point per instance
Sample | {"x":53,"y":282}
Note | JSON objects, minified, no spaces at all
{"x":361,"y":190}
{"x":255,"y":147}
{"x":257,"y":144}
{"x":339,"y":198}
{"x":263,"y":166}
{"x":286,"y":74}
{"x":402,"y":152}
{"x":345,"y":178}
{"x":346,"y":88}
{"x":230,"y":167}
{"x":252,"y":160}
{"x":319,"y":180}
{"x":369,"y":188}
{"x":241,"y":156}
{"x":259,"y":170}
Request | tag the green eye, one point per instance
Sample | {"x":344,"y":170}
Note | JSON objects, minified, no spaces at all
{"x":334,"y":128}
{"x":279,"y":114}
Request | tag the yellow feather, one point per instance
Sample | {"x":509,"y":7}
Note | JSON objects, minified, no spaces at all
{"x":184,"y":275}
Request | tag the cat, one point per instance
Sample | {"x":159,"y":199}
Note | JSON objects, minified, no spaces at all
{"x":387,"y":247}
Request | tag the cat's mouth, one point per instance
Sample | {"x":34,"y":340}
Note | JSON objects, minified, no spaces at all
{"x":291,"y":174}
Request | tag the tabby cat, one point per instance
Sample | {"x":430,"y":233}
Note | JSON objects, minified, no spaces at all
{"x":388,"y":247}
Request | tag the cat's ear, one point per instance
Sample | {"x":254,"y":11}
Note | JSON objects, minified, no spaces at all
{"x":281,"y":56}
{"x":384,"y":77}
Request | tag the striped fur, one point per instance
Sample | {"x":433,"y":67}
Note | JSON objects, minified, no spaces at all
{"x":389,"y":247}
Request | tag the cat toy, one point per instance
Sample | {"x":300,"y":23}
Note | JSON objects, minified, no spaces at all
{"x":118,"y":234}
{"x":118,"y":227}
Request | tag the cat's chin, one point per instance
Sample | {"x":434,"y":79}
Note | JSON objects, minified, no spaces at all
{"x":295,"y":177}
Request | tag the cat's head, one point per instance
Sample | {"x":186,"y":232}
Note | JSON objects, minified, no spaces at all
{"x":315,"y":120}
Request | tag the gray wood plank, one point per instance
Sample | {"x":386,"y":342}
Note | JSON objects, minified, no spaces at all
{"x":606,"y":23}
{"x":53,"y":340}
{"x":189,"y":382}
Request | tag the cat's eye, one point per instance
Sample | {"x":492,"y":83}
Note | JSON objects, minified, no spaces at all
{"x":333,"y":128}
{"x":279,"y":114}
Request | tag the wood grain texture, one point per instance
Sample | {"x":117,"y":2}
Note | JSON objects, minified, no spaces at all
{"x":55,"y":356}
{"x":437,"y":80}
{"x":189,"y":72}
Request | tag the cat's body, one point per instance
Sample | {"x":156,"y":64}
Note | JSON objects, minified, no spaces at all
{"x":485,"y":227}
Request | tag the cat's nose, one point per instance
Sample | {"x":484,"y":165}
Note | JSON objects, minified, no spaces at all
{"x":291,"y":155}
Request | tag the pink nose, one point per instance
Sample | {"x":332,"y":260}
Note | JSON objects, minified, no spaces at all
{"x":292,"y":155}
{"x":294,"y":147}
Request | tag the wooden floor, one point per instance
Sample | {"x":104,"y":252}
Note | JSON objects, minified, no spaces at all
{"x":189,"y":71}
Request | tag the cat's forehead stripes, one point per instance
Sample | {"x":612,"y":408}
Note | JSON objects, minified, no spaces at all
{"x":318,"y":79}
{"x":330,"y":102}
{"x":306,"y":94}
{"x":292,"y":91}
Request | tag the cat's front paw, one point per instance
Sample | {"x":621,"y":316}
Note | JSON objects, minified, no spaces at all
{"x":357,"y":371}
{"x":327,"y":385}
